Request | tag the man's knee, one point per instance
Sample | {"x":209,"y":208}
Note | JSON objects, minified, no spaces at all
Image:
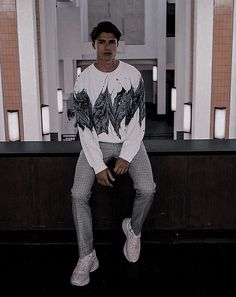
{"x":147,"y":190}
{"x":80,"y":196}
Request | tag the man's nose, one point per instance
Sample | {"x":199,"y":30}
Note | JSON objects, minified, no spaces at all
{"x":107,"y":44}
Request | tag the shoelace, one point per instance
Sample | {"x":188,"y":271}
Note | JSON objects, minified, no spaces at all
{"x":133,"y":241}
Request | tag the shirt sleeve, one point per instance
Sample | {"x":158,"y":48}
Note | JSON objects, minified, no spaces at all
{"x":135,"y":130}
{"x":92,"y":149}
{"x":87,"y":133}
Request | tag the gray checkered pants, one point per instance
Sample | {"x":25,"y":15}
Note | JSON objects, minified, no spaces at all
{"x":140,"y":172}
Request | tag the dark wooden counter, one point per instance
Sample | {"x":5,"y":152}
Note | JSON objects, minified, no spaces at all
{"x":196,"y":188}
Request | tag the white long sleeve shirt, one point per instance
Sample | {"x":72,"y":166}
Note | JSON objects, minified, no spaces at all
{"x":110,"y":107}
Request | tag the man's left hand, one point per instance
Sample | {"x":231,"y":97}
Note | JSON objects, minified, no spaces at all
{"x":121,"y":166}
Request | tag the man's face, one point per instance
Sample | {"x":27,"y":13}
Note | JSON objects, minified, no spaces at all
{"x":106,"y":46}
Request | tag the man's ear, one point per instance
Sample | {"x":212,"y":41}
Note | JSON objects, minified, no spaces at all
{"x":93,"y":44}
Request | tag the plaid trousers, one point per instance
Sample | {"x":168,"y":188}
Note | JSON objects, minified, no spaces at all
{"x":140,"y":172}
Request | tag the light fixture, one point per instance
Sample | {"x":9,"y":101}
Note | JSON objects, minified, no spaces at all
{"x":60,"y":100}
{"x":187,"y":117}
{"x":154,"y":73}
{"x":173,"y":99}
{"x":13,"y":125}
{"x":78,"y":71}
{"x":220,"y":118}
{"x":45,"y":119}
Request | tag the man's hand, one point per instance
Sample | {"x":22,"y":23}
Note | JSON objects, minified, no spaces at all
{"x":121,"y":166}
{"x":105,"y":177}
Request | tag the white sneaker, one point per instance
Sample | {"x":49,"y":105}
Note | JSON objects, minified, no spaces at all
{"x":81,"y":273}
{"x":132,"y":245}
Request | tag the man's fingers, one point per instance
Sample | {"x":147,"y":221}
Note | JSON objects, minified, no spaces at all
{"x":101,"y":182}
{"x":120,"y":170}
{"x":121,"y":166}
{"x":105,"y":178}
{"x":107,"y":183}
{"x":110,"y":175}
{"x":115,"y":169}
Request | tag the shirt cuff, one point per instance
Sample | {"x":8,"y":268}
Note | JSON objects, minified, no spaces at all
{"x":127,"y":157}
{"x":99,"y":167}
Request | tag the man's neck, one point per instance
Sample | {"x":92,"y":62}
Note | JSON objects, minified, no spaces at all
{"x":106,"y":66}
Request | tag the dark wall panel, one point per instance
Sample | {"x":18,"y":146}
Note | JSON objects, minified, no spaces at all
{"x":53,"y":179}
{"x":16,"y":194}
{"x":168,"y":208}
{"x":211,"y":194}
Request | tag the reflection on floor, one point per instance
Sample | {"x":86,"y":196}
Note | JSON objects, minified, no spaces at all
{"x":192,"y":269}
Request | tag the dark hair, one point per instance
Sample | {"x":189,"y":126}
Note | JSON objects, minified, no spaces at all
{"x":107,"y":27}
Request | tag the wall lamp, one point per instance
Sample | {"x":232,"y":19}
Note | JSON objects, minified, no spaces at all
{"x":78,"y":71}
{"x":13,"y":125}
{"x":60,"y":100}
{"x":45,"y":119}
{"x":154,"y":73}
{"x":173,"y":99}
{"x":219,"y":124}
{"x":187,"y":117}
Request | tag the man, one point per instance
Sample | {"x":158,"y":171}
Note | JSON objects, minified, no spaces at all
{"x":109,"y":104}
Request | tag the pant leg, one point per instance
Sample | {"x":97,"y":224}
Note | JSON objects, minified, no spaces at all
{"x":141,"y":173}
{"x":81,"y":192}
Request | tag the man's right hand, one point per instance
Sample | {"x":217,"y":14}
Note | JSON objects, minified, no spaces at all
{"x":105,"y":177}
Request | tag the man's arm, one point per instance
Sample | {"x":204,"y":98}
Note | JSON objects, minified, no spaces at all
{"x":87,"y":133}
{"x":89,"y":140}
{"x":136,"y":128}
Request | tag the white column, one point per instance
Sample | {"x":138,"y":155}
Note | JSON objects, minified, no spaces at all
{"x":182,"y":61}
{"x":202,"y":68}
{"x":68,"y":126}
{"x":49,"y":55}
{"x":68,"y":75}
{"x":28,"y":57}
{"x":2,"y":123}
{"x":232,"y":119}
{"x":161,"y":49}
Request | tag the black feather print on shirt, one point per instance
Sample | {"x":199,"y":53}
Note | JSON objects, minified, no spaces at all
{"x":137,"y":101}
{"x":83,"y":110}
{"x":121,"y":102}
{"x":102,"y":112}
{"x":125,"y":105}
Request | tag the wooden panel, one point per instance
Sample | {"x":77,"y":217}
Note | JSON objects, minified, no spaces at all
{"x":16,"y":194}
{"x":193,"y":192}
{"x":53,"y":179}
{"x":211,"y":202}
{"x":168,"y":208}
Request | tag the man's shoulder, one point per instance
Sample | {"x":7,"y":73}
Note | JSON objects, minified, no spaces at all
{"x":82,"y":79}
{"x":87,"y":70}
{"x":128,"y":68}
